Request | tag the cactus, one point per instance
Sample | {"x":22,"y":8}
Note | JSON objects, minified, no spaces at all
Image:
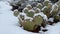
{"x":29,"y":7}
{"x":31,"y":25}
{"x":45,"y":3}
{"x":28,"y":25}
{"x":30,"y":14}
{"x":38,"y":20}
{"x":57,"y":17}
{"x":34,"y":16}
{"x":22,"y":17}
{"x":46,"y":11}
{"x":39,"y":5}
{"x":58,"y":3}
{"x":49,"y":5}
{"x":55,"y":11}
{"x":16,"y":13}
{"x":25,"y":10}
{"x":37,"y":10}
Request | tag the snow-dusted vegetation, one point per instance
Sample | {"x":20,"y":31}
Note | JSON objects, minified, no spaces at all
{"x":29,"y":17}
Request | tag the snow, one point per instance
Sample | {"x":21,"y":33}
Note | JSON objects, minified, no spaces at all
{"x":54,"y":7}
{"x":15,"y":10}
{"x":46,"y":0}
{"x":25,"y":16}
{"x":39,"y":4}
{"x":31,"y":10}
{"x":44,"y":7}
{"x":25,"y":9}
{"x":51,"y":19}
{"x":55,"y":29}
{"x":41,"y":14}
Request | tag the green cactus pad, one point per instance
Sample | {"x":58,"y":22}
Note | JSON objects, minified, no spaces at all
{"x":37,"y":10}
{"x":16,"y":13}
{"x":39,"y":6}
{"x":29,"y":7}
{"x":45,"y":3}
{"x":55,"y":11}
{"x":58,"y":3}
{"x":57,"y":17}
{"x":38,"y":20}
{"x":26,"y":11}
{"x":49,"y":6}
{"x":28,"y":25}
{"x":30,"y":14}
{"x":46,"y":11}
{"x":22,"y":17}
